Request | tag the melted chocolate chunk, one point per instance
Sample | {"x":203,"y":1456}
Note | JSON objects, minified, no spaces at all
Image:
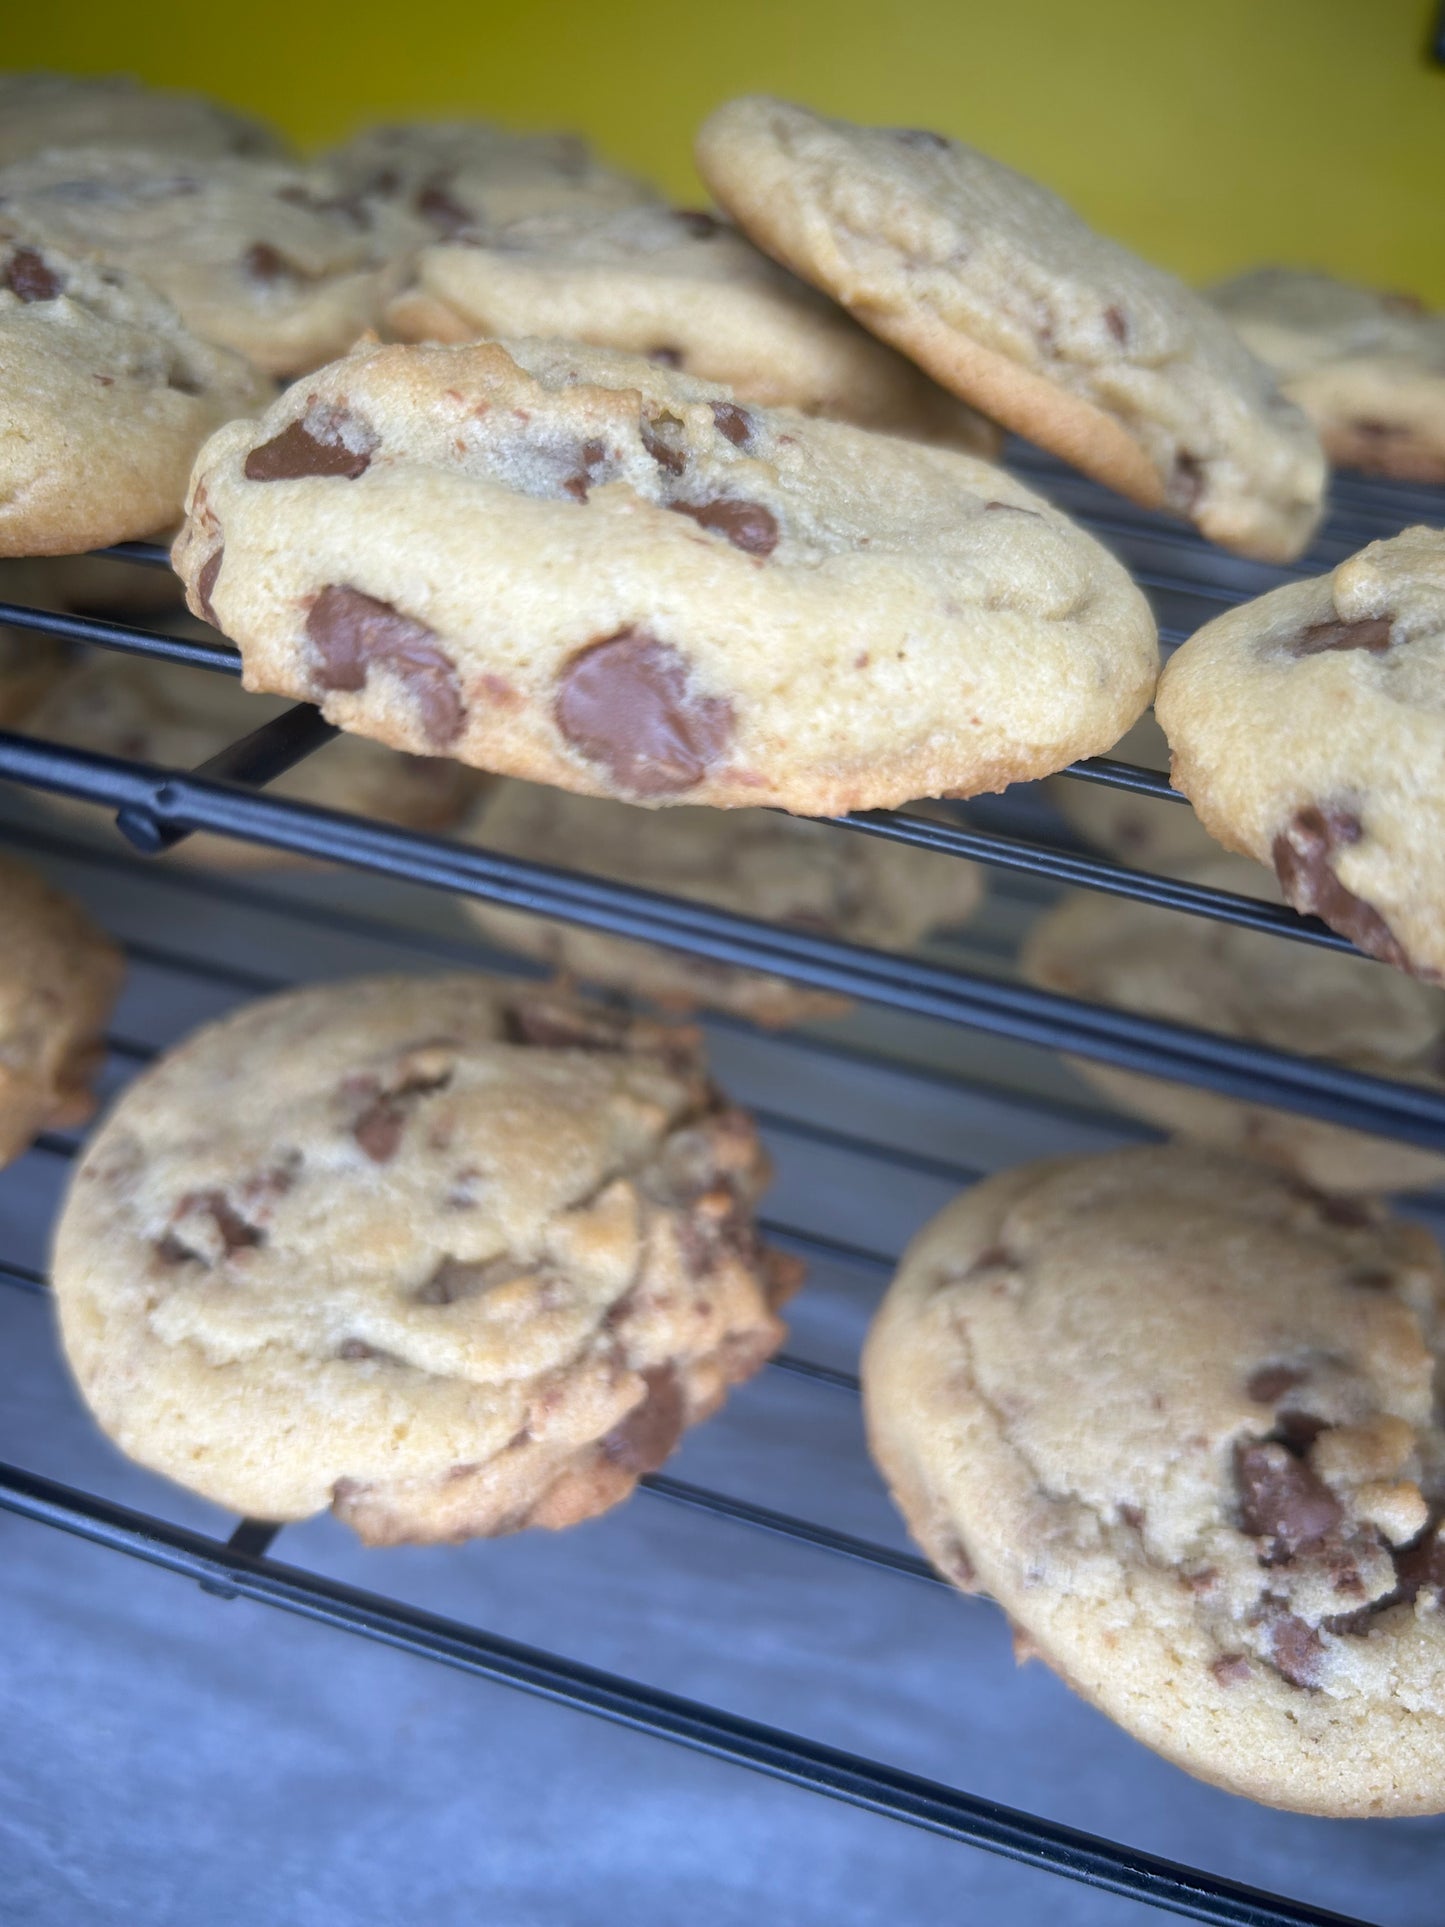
{"x":734,"y":422}
{"x":1302,"y":854}
{"x":235,"y":1231}
{"x":269,"y":265}
{"x":626,"y":702}
{"x":350,"y":207}
{"x":1297,"y":1431}
{"x":642,"y":1441}
{"x":1369,"y":632}
{"x":314,"y":446}
{"x":1281,"y":1500}
{"x":1117,"y":322}
{"x":1268,"y":1385}
{"x":435,"y":203}
{"x":206,"y":578}
{"x":664,"y":438}
{"x":665,"y":357}
{"x":27,"y":275}
{"x":379,"y":1127}
{"x":1231,"y":1669}
{"x":1187,"y":482}
{"x":590,"y":459}
{"x":1296,"y":1650}
{"x":747,"y":525}
{"x":701,"y":225}
{"x":349,"y":632}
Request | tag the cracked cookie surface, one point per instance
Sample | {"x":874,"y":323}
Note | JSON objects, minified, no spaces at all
{"x":105,"y":397}
{"x":579,"y":567}
{"x":274,"y":261}
{"x":1287,"y":996}
{"x":1308,"y":730}
{"x":59,"y":976}
{"x":1367,"y":367}
{"x":1175,"y":1413}
{"x":804,"y":876}
{"x":1004,"y":295}
{"x":448,"y":1255}
{"x":680,"y":287}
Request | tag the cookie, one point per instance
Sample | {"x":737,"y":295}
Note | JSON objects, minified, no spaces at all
{"x":1146,"y":832}
{"x":1006,"y":297}
{"x":1316,"y":1003}
{"x":59,"y":976}
{"x":161,"y":713}
{"x":40,"y":110}
{"x":462,"y":179}
{"x":804,"y":876}
{"x":273,"y":261}
{"x":1308,"y":730}
{"x":586,"y":569}
{"x":682,"y":288}
{"x":1174,"y":1412}
{"x":105,"y":397}
{"x":447,"y":1256}
{"x":1368,"y":368}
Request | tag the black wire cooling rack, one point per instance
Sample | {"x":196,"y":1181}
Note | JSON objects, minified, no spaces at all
{"x":155,"y":808}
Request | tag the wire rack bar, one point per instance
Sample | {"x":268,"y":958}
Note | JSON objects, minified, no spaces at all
{"x":254,"y":760}
{"x":1019,"y":1011}
{"x":870,"y":1785}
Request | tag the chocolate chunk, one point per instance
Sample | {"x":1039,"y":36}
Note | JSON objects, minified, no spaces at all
{"x":734,"y":422}
{"x":747,"y":525}
{"x":1269,"y":1383}
{"x":565,"y":1027}
{"x":701,"y":225}
{"x":1117,"y":322}
{"x":27,"y":275}
{"x":1296,"y":1650}
{"x":1281,"y":1500}
{"x":314,"y":446}
{"x":350,"y":207}
{"x":379,"y":1127}
{"x":665,"y":357}
{"x":1297,"y":1431}
{"x":356,"y":1348}
{"x":920,"y":137}
{"x":642,"y":1441}
{"x":236,"y":1233}
{"x":1302,"y":854}
{"x":349,"y":632}
{"x":268,"y":265}
{"x":626,"y":702}
{"x":1369,"y":632}
{"x":177,"y":379}
{"x":1187,"y":481}
{"x":206,"y":578}
{"x":435,"y":203}
{"x":1132,"y":1515}
{"x":590,"y":459}
{"x":1231,"y":1669}
{"x":1422,"y":1564}
{"x":664,"y":438}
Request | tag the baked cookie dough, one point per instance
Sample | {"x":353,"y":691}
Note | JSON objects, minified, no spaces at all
{"x":585,"y":569}
{"x":447,"y":1256}
{"x":1318,"y":1003}
{"x":161,"y":713}
{"x":1368,"y":368}
{"x":805,"y":876}
{"x":105,"y":397}
{"x":273,"y":261}
{"x":685,"y":289}
{"x":59,"y":976}
{"x":40,"y":110}
{"x":1175,"y":1413}
{"x":1005,"y":296}
{"x":1308,"y":730}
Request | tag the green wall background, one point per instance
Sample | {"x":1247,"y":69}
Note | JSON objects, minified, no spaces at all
{"x":1209,"y":134}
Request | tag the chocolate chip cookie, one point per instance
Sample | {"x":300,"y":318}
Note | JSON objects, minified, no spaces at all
{"x":1175,"y":1413}
{"x":685,"y":289}
{"x":1146,"y":832}
{"x":461,"y":180}
{"x":40,"y":110}
{"x":59,"y":976}
{"x":1005,"y":296}
{"x":1368,"y":368}
{"x":587,"y":569}
{"x":805,"y":876}
{"x":163,"y":714}
{"x":105,"y":397}
{"x":449,"y":1257}
{"x":1138,"y":957}
{"x":1308,"y":730}
{"x":273,"y":261}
